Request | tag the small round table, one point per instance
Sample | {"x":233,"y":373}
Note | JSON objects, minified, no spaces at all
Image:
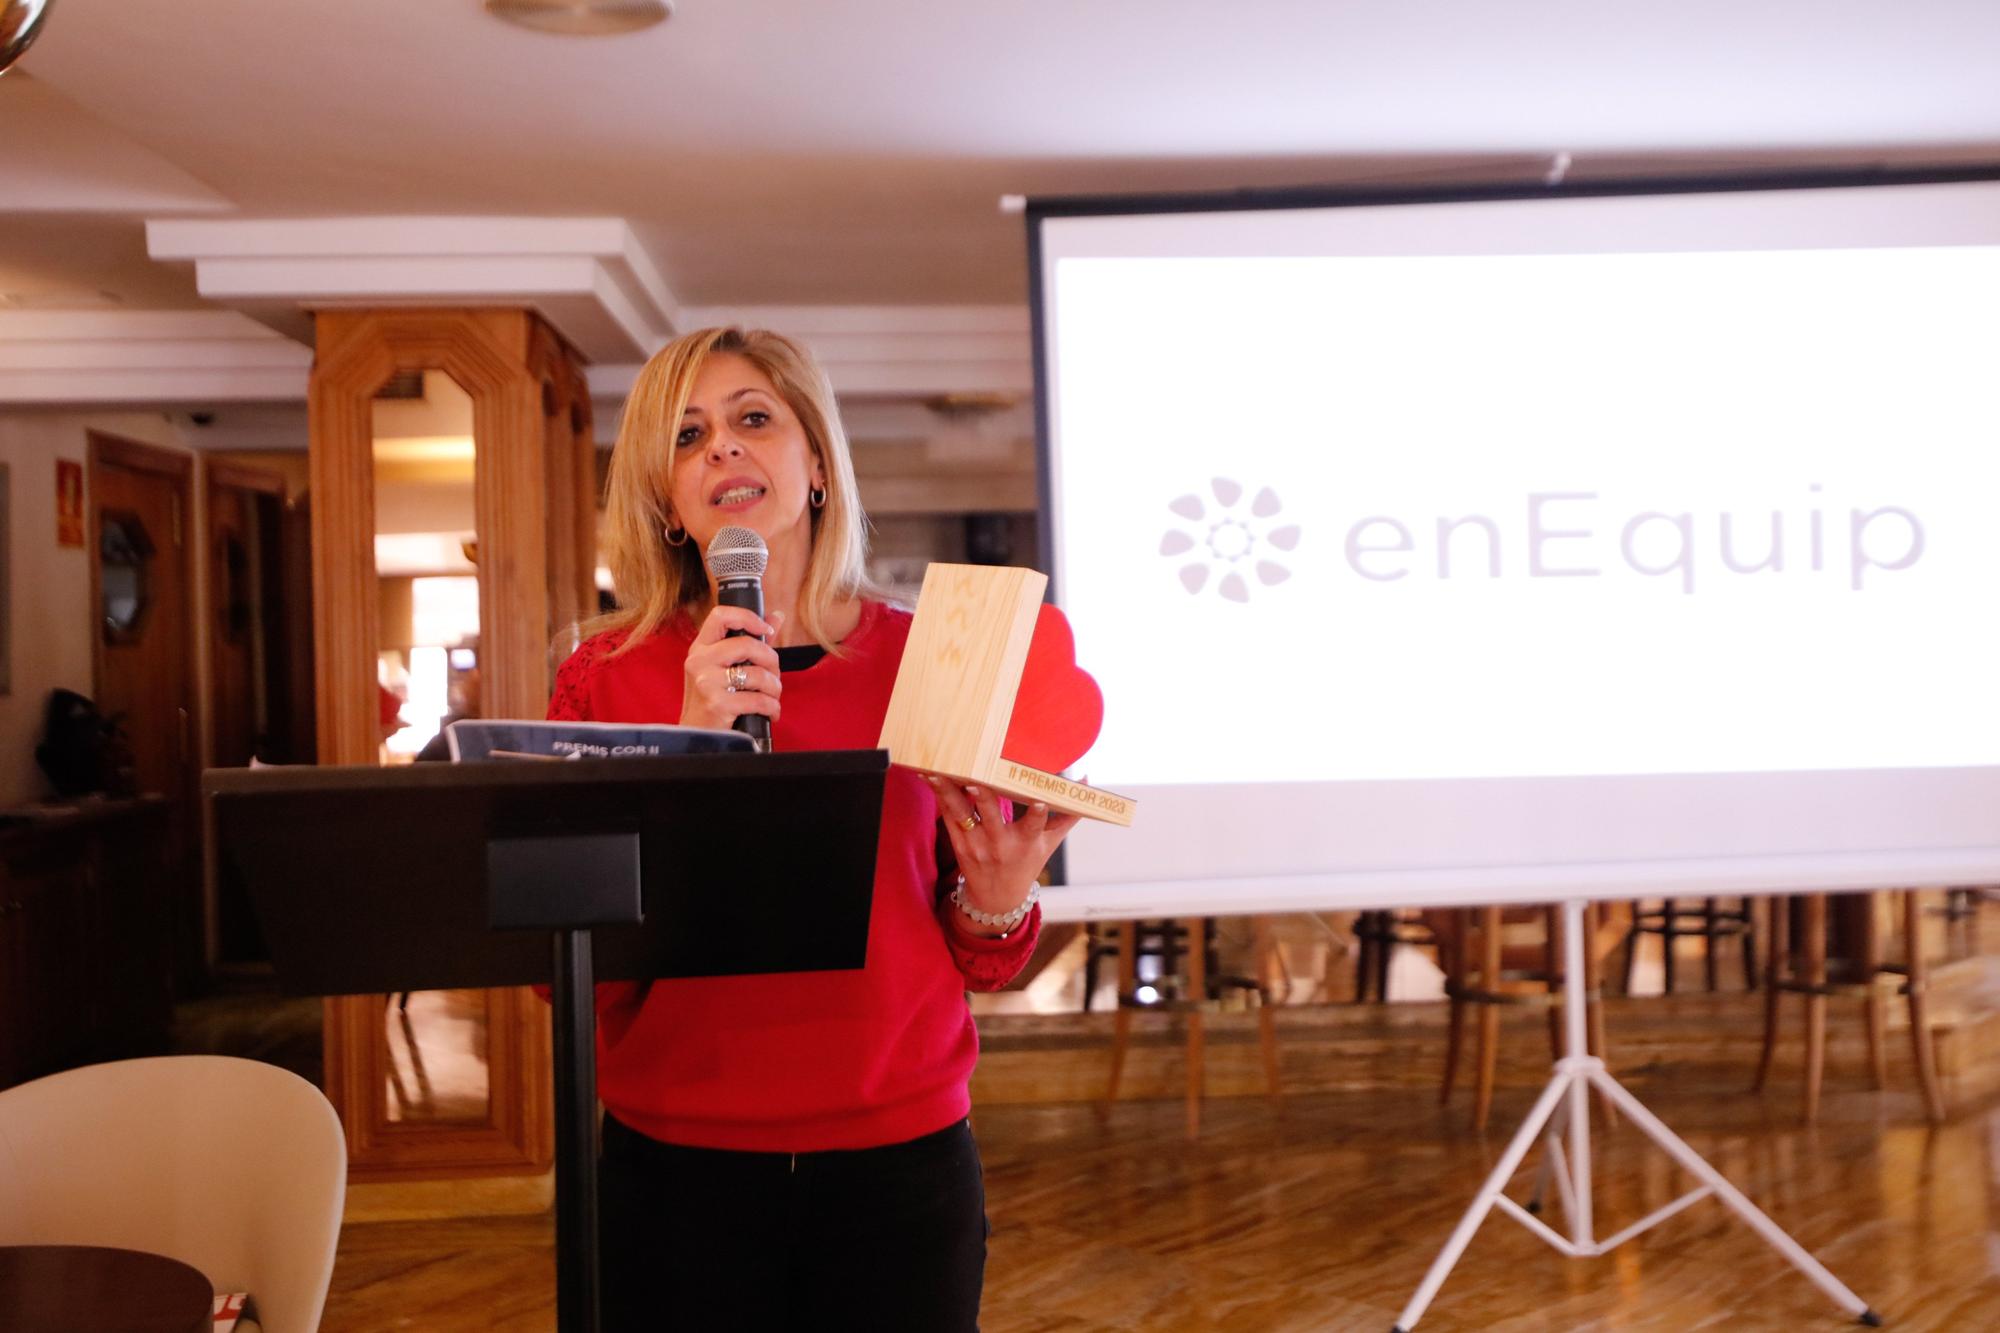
{"x":60,"y":1287}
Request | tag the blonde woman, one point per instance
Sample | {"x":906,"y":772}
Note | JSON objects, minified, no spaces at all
{"x":790,"y":1151}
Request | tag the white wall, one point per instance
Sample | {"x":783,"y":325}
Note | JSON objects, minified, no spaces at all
{"x":49,"y":585}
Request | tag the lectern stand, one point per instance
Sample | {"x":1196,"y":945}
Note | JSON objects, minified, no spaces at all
{"x":440,"y":876}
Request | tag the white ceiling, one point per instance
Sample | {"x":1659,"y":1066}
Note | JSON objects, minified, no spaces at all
{"x":808,"y":152}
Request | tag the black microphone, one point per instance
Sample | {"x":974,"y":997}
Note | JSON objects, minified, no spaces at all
{"x":736,"y":560}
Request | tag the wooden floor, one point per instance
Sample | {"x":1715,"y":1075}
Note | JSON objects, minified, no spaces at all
{"x":1324,"y":1216}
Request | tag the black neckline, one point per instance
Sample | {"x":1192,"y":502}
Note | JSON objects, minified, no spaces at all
{"x":799,"y":656}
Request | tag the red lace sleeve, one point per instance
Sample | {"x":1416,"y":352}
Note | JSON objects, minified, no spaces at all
{"x":571,"y":700}
{"x":989,"y":964}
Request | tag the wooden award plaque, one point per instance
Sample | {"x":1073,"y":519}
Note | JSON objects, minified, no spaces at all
{"x":989,"y":692}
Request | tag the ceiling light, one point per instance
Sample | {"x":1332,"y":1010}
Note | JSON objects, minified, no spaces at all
{"x":585,"y":18}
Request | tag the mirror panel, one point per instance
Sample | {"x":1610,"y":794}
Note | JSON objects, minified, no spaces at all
{"x":427,"y":676}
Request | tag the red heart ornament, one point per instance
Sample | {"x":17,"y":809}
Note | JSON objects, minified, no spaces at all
{"x":1058,"y":709}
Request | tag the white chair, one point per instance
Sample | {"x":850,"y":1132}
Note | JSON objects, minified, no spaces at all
{"x":236,"y":1167}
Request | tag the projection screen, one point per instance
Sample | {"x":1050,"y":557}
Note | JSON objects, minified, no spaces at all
{"x":1502,"y":534}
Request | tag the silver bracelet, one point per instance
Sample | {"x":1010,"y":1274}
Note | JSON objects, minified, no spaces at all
{"x":1004,"y":920}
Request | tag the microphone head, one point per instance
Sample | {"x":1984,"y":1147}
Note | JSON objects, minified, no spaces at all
{"x":737,"y":553}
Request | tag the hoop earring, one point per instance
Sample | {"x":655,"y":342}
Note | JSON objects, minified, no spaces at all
{"x":672,"y":540}
{"x":818,"y":497}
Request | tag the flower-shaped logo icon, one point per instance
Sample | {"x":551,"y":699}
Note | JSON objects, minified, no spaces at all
{"x":1227,"y":541}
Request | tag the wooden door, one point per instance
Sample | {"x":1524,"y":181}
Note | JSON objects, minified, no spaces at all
{"x":247,"y":704}
{"x":239,"y":708}
{"x":140,"y":600}
{"x":294,"y":720}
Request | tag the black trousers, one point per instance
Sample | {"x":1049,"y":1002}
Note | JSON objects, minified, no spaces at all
{"x":888,"y":1239}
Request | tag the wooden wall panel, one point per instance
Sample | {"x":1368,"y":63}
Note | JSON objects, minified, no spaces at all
{"x":570,"y":481}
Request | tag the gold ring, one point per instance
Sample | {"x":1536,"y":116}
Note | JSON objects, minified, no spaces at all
{"x":970,"y":822}
{"x":737,"y":678}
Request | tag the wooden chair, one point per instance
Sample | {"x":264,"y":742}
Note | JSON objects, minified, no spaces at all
{"x":1376,"y":935}
{"x":1483,"y":967}
{"x":1100,"y":941}
{"x":1823,"y":947}
{"x":1961,"y":911}
{"x":1711,"y":922}
{"x":1192,"y":939}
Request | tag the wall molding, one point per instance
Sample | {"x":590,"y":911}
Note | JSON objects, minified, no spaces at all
{"x":877,"y":356}
{"x":588,"y":277}
{"x":60,"y":358}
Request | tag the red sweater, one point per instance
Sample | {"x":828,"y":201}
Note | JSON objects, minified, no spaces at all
{"x":802,"y":1061}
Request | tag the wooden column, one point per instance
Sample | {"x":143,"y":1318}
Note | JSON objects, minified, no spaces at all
{"x":530,"y":422}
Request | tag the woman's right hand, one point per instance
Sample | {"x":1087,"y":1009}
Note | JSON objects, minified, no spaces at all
{"x":706,"y":697}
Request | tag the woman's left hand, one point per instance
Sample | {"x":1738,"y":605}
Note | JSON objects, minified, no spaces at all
{"x":999,"y":859}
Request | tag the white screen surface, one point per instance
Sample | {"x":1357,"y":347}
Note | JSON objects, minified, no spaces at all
{"x":1526,"y":533}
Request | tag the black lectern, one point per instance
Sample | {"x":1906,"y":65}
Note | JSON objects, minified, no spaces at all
{"x":438,"y":876}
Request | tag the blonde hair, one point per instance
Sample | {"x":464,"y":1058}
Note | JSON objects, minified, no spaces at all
{"x":656,"y":581}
